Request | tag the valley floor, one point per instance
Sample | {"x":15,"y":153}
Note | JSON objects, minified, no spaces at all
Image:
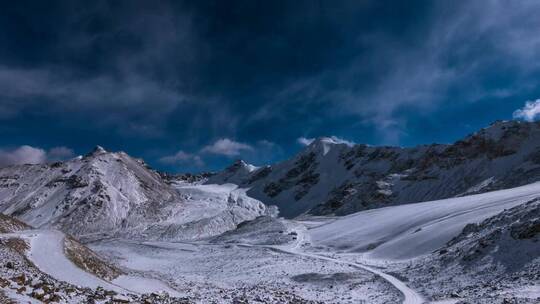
{"x":237,"y":272}
{"x":388,"y":255}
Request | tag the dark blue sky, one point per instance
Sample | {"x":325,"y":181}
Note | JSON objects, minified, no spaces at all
{"x":193,"y":85}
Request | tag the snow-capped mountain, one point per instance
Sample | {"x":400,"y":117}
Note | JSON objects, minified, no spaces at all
{"x":209,"y":237}
{"x":336,"y":177}
{"x":112,"y":194}
{"x":236,"y":173}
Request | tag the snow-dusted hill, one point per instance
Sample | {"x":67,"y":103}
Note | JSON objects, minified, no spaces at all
{"x":335,"y":177}
{"x":98,"y":192}
{"x":105,"y":193}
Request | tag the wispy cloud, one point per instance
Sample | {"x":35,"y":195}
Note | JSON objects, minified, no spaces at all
{"x":132,"y":103}
{"x":305,"y":141}
{"x":529,"y":112}
{"x":32,"y":155}
{"x":339,"y":140}
{"x":227,"y":147}
{"x":259,"y":152}
{"x":443,"y":66}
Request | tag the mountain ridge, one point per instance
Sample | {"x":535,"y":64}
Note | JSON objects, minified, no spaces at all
{"x":329,"y":177}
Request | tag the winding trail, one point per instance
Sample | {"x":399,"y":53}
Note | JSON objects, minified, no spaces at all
{"x":409,"y":295}
{"x":47,"y":253}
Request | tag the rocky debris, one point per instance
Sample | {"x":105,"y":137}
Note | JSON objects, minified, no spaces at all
{"x":186,"y":177}
{"x":9,"y":224}
{"x":259,"y":294}
{"x":88,"y":260}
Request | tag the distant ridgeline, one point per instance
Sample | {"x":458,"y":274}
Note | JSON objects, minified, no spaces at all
{"x":331,"y":177}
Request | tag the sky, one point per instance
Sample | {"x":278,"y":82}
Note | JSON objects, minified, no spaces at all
{"x":193,"y":85}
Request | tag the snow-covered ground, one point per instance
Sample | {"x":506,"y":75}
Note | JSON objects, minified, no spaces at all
{"x":223,"y":272}
{"x":310,"y":260}
{"x":207,"y":210}
{"x":410,"y":296}
{"x":408,"y":231}
{"x":110,"y":194}
{"x":374,"y":256}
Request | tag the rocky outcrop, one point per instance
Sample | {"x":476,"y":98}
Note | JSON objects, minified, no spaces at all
{"x":495,"y":261}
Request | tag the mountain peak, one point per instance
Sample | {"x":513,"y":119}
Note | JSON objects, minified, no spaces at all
{"x":98,"y":150}
{"x":239,"y":164}
{"x":325,"y":143}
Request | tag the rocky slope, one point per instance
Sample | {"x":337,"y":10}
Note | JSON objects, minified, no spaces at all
{"x":495,"y":261}
{"x":107,"y":194}
{"x":334,"y":177}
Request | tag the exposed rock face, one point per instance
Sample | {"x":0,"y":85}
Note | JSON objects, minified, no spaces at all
{"x":186,"y":177}
{"x":9,"y":224}
{"x":331,"y":177}
{"x":302,"y":177}
{"x":511,"y":239}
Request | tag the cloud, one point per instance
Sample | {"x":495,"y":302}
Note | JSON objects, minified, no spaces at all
{"x":130,"y":81}
{"x":529,"y":112}
{"x":394,"y":79}
{"x":227,"y":147}
{"x":339,"y":140}
{"x":305,"y":141}
{"x":22,"y":155}
{"x":33,"y":155}
{"x":182,"y":157}
{"x":155,"y":69}
{"x":258,"y":152}
{"x":132,"y":103}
